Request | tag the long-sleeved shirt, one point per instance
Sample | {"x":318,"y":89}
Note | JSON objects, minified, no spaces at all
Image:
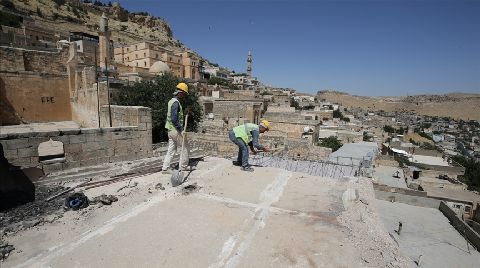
{"x":255,"y":135}
{"x":174,"y":115}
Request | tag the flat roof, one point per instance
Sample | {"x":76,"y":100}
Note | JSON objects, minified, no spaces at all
{"x":429,"y":160}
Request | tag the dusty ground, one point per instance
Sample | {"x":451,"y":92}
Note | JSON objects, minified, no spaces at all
{"x":229,"y":218}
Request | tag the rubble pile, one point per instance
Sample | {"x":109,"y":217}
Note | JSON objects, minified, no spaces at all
{"x":33,"y":213}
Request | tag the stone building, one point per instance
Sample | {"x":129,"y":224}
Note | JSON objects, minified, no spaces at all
{"x":145,"y":54}
{"x":238,"y":111}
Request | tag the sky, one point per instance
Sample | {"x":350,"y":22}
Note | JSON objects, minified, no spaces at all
{"x":372,"y":48}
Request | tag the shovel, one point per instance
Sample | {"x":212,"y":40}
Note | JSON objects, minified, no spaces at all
{"x":177,"y":175}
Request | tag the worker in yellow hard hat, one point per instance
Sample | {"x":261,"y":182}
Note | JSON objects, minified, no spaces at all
{"x":174,"y":125}
{"x":247,"y":134}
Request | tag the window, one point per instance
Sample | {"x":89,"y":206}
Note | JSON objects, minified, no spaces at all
{"x":178,"y":60}
{"x":170,"y":58}
{"x":156,"y":56}
{"x":145,"y":64}
{"x":137,"y":64}
{"x":136,"y":47}
{"x":136,"y":56}
{"x":127,"y":49}
{"x":144,"y":54}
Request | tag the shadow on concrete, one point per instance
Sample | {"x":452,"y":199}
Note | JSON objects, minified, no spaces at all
{"x":16,"y":188}
{"x":8,"y":115}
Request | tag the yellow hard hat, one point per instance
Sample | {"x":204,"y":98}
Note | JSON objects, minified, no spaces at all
{"x":183,"y":87}
{"x":265,"y":123}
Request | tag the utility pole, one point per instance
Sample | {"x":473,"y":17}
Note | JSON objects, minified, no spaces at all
{"x":98,"y":95}
{"x":108,"y":93}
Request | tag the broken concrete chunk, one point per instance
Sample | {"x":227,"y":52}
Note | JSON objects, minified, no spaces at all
{"x":188,"y":189}
{"x":5,"y":250}
{"x":159,"y":186}
{"x":105,"y":199}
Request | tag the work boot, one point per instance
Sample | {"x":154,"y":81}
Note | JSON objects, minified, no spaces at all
{"x":247,"y":168}
{"x":236,"y":163}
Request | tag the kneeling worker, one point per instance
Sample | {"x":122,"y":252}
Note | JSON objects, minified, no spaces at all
{"x":247,"y":134}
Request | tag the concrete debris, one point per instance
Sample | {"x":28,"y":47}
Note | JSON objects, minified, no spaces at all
{"x":104,"y":199}
{"x":159,"y":186}
{"x":32,"y":223}
{"x":192,"y":188}
{"x":5,"y":250}
{"x":22,"y":217}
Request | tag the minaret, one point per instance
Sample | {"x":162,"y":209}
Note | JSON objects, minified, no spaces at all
{"x":104,"y":41}
{"x":249,"y":64}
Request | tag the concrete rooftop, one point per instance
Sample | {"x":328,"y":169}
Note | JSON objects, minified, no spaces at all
{"x":268,"y":218}
{"x":427,"y":232}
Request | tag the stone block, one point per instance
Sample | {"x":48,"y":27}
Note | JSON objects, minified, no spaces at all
{"x":104,"y":136}
{"x":27,"y":152}
{"x":72,"y":148}
{"x":50,"y":168}
{"x":91,"y":146}
{"x":10,"y":153}
{"x":142,"y":126}
{"x":17,"y":144}
{"x":46,"y":133}
{"x":23,"y":161}
{"x":77,"y":139}
{"x":69,"y":131}
{"x":71,"y":164}
{"x":89,"y":130}
{"x":110,"y":129}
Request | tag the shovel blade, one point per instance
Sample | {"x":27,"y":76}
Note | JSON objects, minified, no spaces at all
{"x":177,"y":178}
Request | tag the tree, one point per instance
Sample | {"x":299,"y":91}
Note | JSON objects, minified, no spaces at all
{"x":7,"y":4}
{"x":337,"y":114}
{"x":331,"y":142}
{"x":294,"y":103}
{"x":388,"y":129}
{"x":472,"y":171}
{"x":155,"y":94}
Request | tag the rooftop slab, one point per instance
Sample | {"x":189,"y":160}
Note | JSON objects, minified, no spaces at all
{"x":271,"y":217}
{"x":427,"y":232}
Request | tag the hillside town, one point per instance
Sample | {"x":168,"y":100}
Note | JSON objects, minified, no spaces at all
{"x":273,"y":176}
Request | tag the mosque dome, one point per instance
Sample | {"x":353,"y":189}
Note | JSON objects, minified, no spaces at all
{"x":159,"y":67}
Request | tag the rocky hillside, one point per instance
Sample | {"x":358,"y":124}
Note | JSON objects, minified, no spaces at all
{"x":73,"y":15}
{"x":455,"y":105}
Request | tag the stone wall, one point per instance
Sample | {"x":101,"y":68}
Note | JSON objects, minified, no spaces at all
{"x":33,"y":86}
{"x":130,"y":138}
{"x":28,"y":97}
{"x":249,"y":110}
{"x":138,"y":116}
{"x":17,"y":60}
{"x":293,"y":130}
{"x":220,"y":145}
{"x":82,"y":147}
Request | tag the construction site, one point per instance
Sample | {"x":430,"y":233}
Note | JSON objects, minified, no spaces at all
{"x":85,"y":180}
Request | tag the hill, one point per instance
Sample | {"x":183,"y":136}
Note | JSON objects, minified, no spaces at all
{"x":63,"y":16}
{"x":456,"y":105}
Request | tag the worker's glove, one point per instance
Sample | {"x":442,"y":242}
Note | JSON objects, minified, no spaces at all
{"x":254,"y":152}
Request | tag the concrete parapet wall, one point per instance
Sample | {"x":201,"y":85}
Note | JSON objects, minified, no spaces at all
{"x":82,"y":146}
{"x":461,"y":226}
